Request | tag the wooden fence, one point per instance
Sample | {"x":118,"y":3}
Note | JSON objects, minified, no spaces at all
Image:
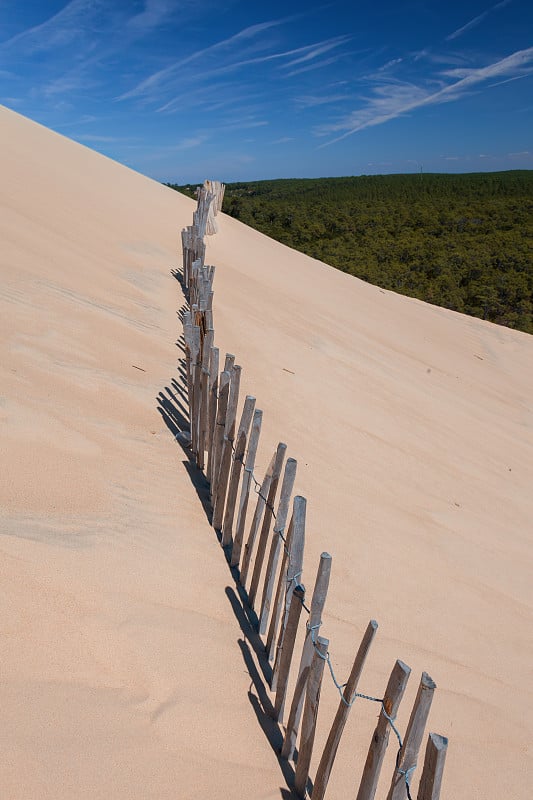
{"x":268,"y":554}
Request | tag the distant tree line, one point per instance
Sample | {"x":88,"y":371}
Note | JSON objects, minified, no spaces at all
{"x":459,"y":241}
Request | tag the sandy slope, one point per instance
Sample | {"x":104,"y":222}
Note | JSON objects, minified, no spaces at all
{"x":412,"y":426}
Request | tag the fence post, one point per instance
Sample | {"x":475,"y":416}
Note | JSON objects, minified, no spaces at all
{"x":267,"y":519}
{"x":194,"y":402}
{"x":380,"y":738}
{"x":213,"y":400}
{"x":240,"y":448}
{"x":312,"y":699}
{"x":218,"y":433}
{"x":256,"y":520}
{"x":220,"y":424}
{"x":245,"y":487}
{"x":227,"y":449}
{"x":348,"y":697}
{"x":318,"y":601}
{"x":431,"y":780}
{"x":204,"y":399}
{"x":413,"y":738}
{"x":270,"y":645}
{"x":291,"y":629}
{"x":294,"y":571}
{"x":287,"y":486}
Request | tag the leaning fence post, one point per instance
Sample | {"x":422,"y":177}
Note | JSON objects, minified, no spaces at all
{"x":287,"y":486}
{"x":347,"y":699}
{"x":312,"y":699}
{"x":213,"y":400}
{"x":220,"y":423}
{"x":194,"y":401}
{"x":227,"y":448}
{"x":204,"y":399}
{"x":318,"y":601}
{"x":270,"y":645}
{"x":431,"y":780}
{"x":240,"y":448}
{"x":291,"y":629}
{"x":380,"y":738}
{"x":218,"y":434}
{"x":413,"y":738}
{"x":294,"y":571}
{"x":256,"y":521}
{"x":245,"y":487}
{"x":265,"y":528}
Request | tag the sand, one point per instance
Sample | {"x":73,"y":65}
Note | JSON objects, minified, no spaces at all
{"x":123,"y":676}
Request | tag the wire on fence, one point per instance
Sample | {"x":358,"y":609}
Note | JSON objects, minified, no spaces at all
{"x":312,"y":629}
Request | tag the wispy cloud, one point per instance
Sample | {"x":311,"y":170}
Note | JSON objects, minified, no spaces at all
{"x":318,"y":50}
{"x":165,"y":79}
{"x":154,"y":14}
{"x":153,"y":81}
{"x":61,"y":29}
{"x":476,"y":20}
{"x":326,"y":62}
{"x":242,"y":124}
{"x":89,"y":137}
{"x":395,"y":99}
{"x":392,"y":63}
{"x":74,"y":81}
{"x":183,"y":145}
{"x":311,"y":101}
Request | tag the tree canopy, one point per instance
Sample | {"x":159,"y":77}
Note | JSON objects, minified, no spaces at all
{"x":459,"y":241}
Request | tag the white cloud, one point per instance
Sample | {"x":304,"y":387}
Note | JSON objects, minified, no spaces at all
{"x":318,"y":49}
{"x":59,"y":30}
{"x":311,"y":101}
{"x":155,"y":80}
{"x":316,"y":65}
{"x":393,"y":100}
{"x":476,"y":20}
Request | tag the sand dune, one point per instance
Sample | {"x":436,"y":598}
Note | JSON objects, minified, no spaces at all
{"x":412,"y":426}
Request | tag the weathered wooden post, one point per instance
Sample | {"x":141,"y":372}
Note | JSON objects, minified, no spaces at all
{"x":347,"y":699}
{"x":312,"y":699}
{"x":291,"y":629}
{"x":267,"y":519}
{"x":380,"y":738}
{"x":213,"y":401}
{"x":270,"y":645}
{"x":431,"y":780}
{"x":218,"y":433}
{"x":287,"y":486}
{"x":238,"y":457}
{"x":318,"y":601}
{"x":204,"y":399}
{"x":413,"y":738}
{"x":294,"y":572}
{"x":256,"y":520}
{"x":194,"y":402}
{"x":245,"y":487}
{"x":227,"y":449}
{"x":220,"y":424}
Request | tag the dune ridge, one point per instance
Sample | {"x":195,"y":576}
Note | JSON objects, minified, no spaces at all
{"x":413,"y":429}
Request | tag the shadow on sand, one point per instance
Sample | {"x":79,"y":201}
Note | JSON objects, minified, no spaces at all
{"x":172,"y":404}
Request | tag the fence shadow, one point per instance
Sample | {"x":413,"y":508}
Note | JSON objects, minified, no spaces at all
{"x":258,"y":693}
{"x":174,"y":415}
{"x":207,"y":421}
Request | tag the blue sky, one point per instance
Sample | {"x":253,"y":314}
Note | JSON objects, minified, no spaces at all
{"x":186,"y":89}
